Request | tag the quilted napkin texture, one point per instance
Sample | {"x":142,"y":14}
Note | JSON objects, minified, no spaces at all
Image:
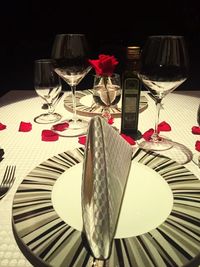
{"x":106,"y":168}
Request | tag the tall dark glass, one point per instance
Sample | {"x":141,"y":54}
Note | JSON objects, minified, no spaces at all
{"x":71,"y":53}
{"x":164,"y":67}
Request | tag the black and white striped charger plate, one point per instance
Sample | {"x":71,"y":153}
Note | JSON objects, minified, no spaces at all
{"x":47,"y":240}
{"x":86,"y":107}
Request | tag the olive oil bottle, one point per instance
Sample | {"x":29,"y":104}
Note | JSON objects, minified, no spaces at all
{"x":131,"y":87}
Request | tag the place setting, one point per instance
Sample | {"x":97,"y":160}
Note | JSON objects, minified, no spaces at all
{"x":52,"y":234}
{"x":98,"y":196}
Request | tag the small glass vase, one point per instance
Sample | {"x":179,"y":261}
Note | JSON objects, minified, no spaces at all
{"x":107,"y":92}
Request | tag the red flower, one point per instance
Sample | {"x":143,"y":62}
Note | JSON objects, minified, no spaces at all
{"x":25,"y":126}
{"x":105,"y":65}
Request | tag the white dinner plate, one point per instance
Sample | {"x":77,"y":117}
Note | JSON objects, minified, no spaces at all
{"x":158,"y":224}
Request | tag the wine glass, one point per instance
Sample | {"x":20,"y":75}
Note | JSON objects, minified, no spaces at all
{"x":71,"y":53}
{"x":164,"y":67}
{"x":107,"y":93}
{"x":47,"y":85}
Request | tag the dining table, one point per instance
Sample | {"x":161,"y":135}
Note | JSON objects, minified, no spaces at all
{"x":38,"y":220}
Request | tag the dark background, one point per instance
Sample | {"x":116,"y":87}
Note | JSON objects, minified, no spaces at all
{"x":27,"y":31}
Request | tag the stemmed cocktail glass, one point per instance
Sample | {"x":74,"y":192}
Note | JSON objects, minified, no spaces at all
{"x":164,"y":67}
{"x":71,"y":53}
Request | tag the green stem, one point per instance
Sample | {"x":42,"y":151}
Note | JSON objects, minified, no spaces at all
{"x":105,"y":80}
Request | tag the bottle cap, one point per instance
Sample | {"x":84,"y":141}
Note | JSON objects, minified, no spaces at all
{"x":133,"y":52}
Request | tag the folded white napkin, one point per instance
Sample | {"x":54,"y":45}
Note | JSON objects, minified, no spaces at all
{"x":106,"y":168}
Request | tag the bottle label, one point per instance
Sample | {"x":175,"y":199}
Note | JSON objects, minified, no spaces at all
{"x":131,"y":83}
{"x":130,"y":109}
{"x":130,"y":112}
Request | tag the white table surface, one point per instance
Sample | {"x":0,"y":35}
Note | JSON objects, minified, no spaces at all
{"x":26,"y":150}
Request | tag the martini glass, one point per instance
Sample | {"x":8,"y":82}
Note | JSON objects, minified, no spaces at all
{"x":164,"y":67}
{"x":71,"y":54}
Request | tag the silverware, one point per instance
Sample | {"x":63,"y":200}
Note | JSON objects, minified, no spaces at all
{"x":8,"y":180}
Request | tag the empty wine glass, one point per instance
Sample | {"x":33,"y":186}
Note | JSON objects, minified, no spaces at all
{"x":47,"y":85}
{"x":71,"y":53}
{"x":164,"y":67}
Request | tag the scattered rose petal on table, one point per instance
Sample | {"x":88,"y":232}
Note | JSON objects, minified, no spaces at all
{"x":147,"y":135}
{"x":2,"y":126}
{"x":82,"y":140}
{"x":49,"y":136}
{"x":196,"y":130}
{"x":111,"y":120}
{"x":197,"y":145}
{"x":129,"y":139}
{"x":60,"y":126}
{"x":25,"y":126}
{"x":164,"y":126}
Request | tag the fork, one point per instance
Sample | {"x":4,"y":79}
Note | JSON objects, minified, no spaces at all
{"x":8,"y":180}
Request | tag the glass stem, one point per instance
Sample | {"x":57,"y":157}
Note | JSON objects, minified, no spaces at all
{"x":51,"y":108}
{"x":74,"y":117}
{"x":155,"y":136}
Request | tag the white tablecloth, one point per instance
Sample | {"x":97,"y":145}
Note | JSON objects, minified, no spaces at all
{"x":26,"y":150}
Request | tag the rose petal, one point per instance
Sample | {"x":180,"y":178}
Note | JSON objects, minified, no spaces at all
{"x":48,"y":135}
{"x":147,"y":135}
{"x":82,"y":140}
{"x":60,"y":126}
{"x":2,"y":126}
{"x":196,"y":130}
{"x":164,"y":126}
{"x":197,"y":145}
{"x":25,"y":126}
{"x":111,"y":120}
{"x":129,"y":139}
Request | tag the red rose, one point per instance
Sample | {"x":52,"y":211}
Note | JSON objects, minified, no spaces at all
{"x":105,"y":65}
